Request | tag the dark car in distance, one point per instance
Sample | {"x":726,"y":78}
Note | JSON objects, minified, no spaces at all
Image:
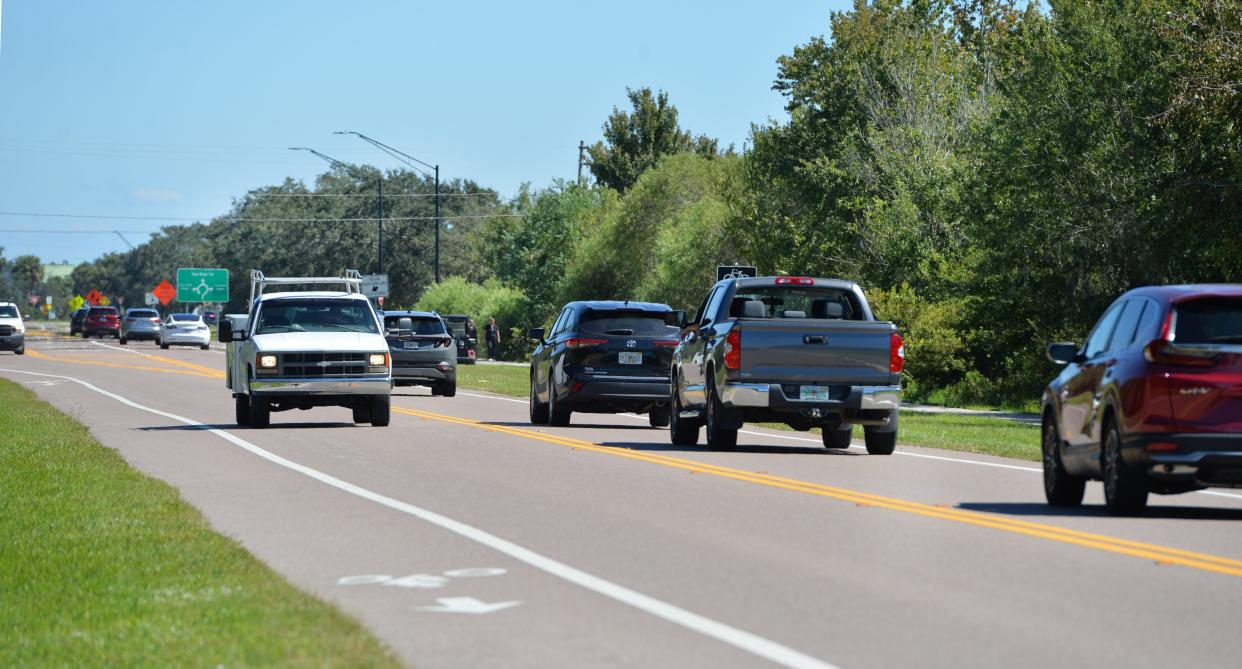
{"x":604,"y":357}
{"x":1152,"y":403}
{"x":77,"y":319}
{"x":102,"y":321}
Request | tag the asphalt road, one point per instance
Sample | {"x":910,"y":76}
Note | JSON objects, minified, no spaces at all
{"x":463,"y":536}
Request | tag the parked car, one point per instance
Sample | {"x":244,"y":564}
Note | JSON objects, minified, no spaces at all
{"x":1152,"y":402}
{"x":77,"y":320}
{"x":140,"y":323}
{"x":797,"y":350}
{"x":12,"y":329}
{"x":184,"y":330}
{"x":422,"y":351}
{"x":467,"y":341}
{"x":603,"y":357}
{"x":211,"y":316}
{"x":101,"y":321}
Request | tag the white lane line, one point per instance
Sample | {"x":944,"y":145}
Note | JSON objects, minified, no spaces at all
{"x":961,"y":461}
{"x":738,"y":638}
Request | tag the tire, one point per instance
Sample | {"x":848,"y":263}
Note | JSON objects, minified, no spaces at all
{"x":718,"y":438}
{"x":205,"y":347}
{"x":1060,"y":487}
{"x":682,"y":431}
{"x":20,"y":351}
{"x":838,"y":438}
{"x":449,"y":388}
{"x":122,"y":341}
{"x":882,"y":443}
{"x":658,"y":417}
{"x":538,"y":410}
{"x":557,"y":415}
{"x":164,"y":346}
{"x":362,"y":414}
{"x":1125,"y":488}
{"x":260,"y":412}
{"x":381,"y":410}
{"x":241,"y":410}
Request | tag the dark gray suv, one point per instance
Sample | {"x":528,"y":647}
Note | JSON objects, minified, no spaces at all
{"x":423,"y":350}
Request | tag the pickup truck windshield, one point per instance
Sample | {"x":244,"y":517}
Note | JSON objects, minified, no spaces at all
{"x":315,"y":316}
{"x":628,"y":323}
{"x":799,"y":302}
{"x":8,"y":311}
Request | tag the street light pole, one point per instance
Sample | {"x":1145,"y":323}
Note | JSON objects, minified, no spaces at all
{"x":380,"y":182}
{"x":409,"y":161}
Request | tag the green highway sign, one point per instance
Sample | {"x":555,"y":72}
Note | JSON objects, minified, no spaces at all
{"x":202,"y":285}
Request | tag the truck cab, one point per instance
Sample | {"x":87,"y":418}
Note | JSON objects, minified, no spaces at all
{"x":307,"y":348}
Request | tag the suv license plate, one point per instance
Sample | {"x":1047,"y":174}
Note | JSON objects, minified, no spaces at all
{"x":814,"y":393}
{"x":630,"y":357}
{"x":410,"y":345}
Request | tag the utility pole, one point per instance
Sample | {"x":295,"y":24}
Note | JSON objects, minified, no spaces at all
{"x":381,"y":222}
{"x":438,"y":223}
{"x":581,"y":159}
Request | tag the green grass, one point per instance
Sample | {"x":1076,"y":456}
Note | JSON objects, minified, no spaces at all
{"x":103,"y":566}
{"x":972,"y":434}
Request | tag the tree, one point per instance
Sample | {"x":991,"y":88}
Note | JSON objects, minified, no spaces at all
{"x":635,"y":141}
{"x":28,"y":272}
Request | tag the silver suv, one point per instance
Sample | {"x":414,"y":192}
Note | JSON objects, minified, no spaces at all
{"x":140,"y":323}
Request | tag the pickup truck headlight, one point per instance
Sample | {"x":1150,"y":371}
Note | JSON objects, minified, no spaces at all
{"x":267,"y":361}
{"x":378,"y":359}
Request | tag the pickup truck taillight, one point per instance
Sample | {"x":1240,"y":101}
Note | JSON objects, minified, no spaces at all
{"x":896,"y":354}
{"x":733,"y":349}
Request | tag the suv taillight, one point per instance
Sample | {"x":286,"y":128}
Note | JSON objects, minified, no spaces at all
{"x":896,"y":354}
{"x":578,"y":342}
{"x":733,"y":349}
{"x":1165,"y":352}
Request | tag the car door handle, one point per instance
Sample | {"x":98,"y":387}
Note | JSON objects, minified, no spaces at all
{"x":814,"y":339}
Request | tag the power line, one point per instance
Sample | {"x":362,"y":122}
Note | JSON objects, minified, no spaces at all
{"x":250,"y":220}
{"x":386,"y":195}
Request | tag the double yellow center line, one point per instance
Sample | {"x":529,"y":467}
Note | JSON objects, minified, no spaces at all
{"x":1159,"y":554}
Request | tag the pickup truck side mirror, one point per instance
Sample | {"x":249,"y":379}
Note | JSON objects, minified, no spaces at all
{"x":1063,"y":353}
{"x":225,"y":331}
{"x":535,"y":334}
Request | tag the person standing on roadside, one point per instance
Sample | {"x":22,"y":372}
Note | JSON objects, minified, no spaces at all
{"x":492,"y":332}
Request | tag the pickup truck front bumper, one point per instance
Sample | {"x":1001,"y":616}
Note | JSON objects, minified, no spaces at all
{"x":772,"y":396}
{"x":345,"y":385}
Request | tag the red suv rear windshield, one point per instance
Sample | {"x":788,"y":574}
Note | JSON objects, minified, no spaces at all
{"x":1215,"y":320}
{"x":104,"y":311}
{"x":622,"y":323}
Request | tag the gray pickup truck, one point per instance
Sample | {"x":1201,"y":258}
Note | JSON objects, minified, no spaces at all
{"x":797,"y":350}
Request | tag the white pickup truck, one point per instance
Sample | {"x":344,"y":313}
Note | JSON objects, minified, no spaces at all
{"x":297,"y":350}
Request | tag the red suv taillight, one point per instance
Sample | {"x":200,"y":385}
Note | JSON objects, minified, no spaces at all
{"x":733,"y":349}
{"x":1162,"y":351}
{"x":896,"y":354}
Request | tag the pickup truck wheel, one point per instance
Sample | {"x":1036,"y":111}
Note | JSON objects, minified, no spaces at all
{"x":1060,"y":488}
{"x":381,"y":410}
{"x":241,"y":410}
{"x":362,"y":414}
{"x":557,"y":415}
{"x":718,"y":438}
{"x":839,"y":437}
{"x":658,"y":417}
{"x":538,"y":410}
{"x":260,"y":412}
{"x":1125,"y":488}
{"x":882,"y":441}
{"x":682,"y":431}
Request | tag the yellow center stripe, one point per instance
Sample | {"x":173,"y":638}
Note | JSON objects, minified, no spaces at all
{"x":1159,"y":554}
{"x":146,"y":368}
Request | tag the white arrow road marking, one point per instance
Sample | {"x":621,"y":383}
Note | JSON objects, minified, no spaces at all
{"x":733,"y":636}
{"x":467,"y":605}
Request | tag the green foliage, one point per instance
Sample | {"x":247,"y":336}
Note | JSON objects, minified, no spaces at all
{"x":490,"y":299}
{"x":635,"y":141}
{"x":27,"y":272}
{"x":933,"y":334}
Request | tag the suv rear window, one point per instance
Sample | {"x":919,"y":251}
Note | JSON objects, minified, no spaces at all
{"x":1209,"y":321}
{"x":422,"y":324}
{"x":623,"y":323}
{"x":185,"y":317}
{"x":103,"y":310}
{"x":799,"y":302}
{"x":142,"y":313}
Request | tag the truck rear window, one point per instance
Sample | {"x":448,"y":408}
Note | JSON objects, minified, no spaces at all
{"x":422,"y":326}
{"x":799,"y":302}
{"x":315,"y":316}
{"x":1209,"y":321}
{"x":624,"y":323}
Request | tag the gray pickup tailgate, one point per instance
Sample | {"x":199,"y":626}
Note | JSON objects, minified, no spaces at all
{"x":814,"y":351}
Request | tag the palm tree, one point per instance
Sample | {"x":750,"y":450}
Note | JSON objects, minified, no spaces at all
{"x":28,"y":272}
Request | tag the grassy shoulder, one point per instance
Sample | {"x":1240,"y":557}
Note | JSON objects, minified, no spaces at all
{"x":973,"y":434}
{"x":104,"y":566}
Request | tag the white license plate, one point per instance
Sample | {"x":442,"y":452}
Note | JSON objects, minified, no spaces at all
{"x":814,"y":393}
{"x":410,"y":345}
{"x":630,"y":357}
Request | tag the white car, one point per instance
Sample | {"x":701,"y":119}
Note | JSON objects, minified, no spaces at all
{"x":12,"y":329}
{"x":185,"y":330}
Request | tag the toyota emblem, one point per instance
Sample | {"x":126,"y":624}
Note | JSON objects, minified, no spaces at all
{"x":631,"y":343}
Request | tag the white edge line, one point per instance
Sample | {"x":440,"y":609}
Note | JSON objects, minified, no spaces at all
{"x":941,"y":458}
{"x":741,"y":639}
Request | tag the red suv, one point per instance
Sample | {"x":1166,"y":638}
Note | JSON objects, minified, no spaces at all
{"x":102,"y":321}
{"x":1152,"y":402}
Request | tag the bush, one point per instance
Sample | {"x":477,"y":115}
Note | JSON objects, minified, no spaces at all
{"x":490,"y":299}
{"x":935,"y":347}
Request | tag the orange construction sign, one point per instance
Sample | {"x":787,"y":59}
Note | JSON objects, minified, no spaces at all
{"x":94,"y":297}
{"x":165,"y":292}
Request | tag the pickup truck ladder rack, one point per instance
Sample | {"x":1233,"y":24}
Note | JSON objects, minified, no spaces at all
{"x":351,"y":279}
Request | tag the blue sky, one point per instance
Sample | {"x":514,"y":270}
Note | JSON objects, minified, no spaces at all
{"x":171,"y":109}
